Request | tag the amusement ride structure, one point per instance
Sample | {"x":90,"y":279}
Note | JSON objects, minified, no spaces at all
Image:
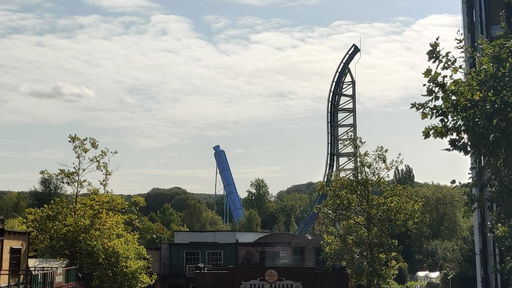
{"x":341,"y":130}
{"x":341,"y":138}
{"x":232,"y":200}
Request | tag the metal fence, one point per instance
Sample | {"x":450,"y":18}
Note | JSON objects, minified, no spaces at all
{"x":41,"y":277}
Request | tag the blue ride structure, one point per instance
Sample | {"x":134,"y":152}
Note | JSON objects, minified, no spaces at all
{"x":233,"y":200}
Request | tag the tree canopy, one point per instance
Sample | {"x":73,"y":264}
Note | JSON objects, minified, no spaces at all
{"x":94,"y":235}
{"x":259,"y":198}
{"x":472,"y":109}
{"x":361,"y":216}
{"x":93,"y":230}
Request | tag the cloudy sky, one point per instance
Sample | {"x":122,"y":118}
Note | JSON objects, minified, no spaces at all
{"x":162,"y":82}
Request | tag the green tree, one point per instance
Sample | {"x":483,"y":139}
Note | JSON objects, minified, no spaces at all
{"x":151,"y":232}
{"x":177,"y":197}
{"x":472,"y":108}
{"x":13,"y":204}
{"x":360,"y":217}
{"x":94,"y":231}
{"x":17,"y":224}
{"x":442,"y":238}
{"x":251,"y":221}
{"x":259,"y":198}
{"x":279,"y":226}
{"x":168,"y":217}
{"x":292,"y":226}
{"x":88,"y":159}
{"x":92,"y":234}
{"x":198,"y":217}
{"x":50,"y":188}
{"x":293,"y":208}
{"x":404,"y":176}
{"x":177,"y":208}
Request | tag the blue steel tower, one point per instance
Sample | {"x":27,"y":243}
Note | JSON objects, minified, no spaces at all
{"x":233,"y":200}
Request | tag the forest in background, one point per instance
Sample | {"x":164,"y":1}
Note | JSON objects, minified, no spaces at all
{"x":440,"y":241}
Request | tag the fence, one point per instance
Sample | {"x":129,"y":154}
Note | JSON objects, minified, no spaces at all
{"x":41,"y":277}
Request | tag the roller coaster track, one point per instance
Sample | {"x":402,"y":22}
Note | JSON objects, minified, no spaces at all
{"x":341,"y":120}
{"x":341,"y":129}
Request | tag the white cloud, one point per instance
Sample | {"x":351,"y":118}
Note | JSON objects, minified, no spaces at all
{"x":124,"y":5}
{"x":18,"y":4}
{"x":157,"y":78}
{"x":217,"y":21}
{"x":51,"y":154}
{"x":58,"y":91}
{"x":274,"y":2}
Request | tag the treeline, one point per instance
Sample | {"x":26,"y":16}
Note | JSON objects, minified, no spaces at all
{"x":105,"y":234}
{"x":163,"y":211}
{"x":440,"y":241}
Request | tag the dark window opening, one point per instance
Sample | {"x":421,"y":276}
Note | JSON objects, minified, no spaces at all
{"x":14,"y":260}
{"x":214,"y":258}
{"x":299,"y":258}
{"x":192,"y":257}
{"x":318,"y":258}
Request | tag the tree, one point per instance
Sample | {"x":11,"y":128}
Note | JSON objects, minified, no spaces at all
{"x":151,"y":232}
{"x":279,"y":225}
{"x":92,"y":234}
{"x":360,"y":217}
{"x":198,"y":217}
{"x":292,"y":226}
{"x":251,"y":221}
{"x":404,"y":176}
{"x":177,"y":197}
{"x":176,"y":205}
{"x":471,"y":108}
{"x":13,"y":204}
{"x":258,"y":195}
{"x":89,"y":158}
{"x":259,"y":198}
{"x":93,"y":231}
{"x":168,"y":217}
{"x":442,"y":238}
{"x":50,"y":188}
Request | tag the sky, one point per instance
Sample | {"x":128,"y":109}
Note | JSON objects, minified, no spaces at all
{"x":162,"y":82}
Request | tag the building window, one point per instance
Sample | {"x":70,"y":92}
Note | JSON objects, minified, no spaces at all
{"x":15,"y":260}
{"x":318,"y":258}
{"x":298,"y":256}
{"x":214,"y":258}
{"x":284,"y":257}
{"x":192,"y":257}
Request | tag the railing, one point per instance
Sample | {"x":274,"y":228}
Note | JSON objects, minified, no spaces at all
{"x":41,"y":277}
{"x":15,"y":280}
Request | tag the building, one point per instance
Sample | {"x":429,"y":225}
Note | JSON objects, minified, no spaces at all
{"x":482,"y":19}
{"x":250,"y":251}
{"x":16,"y":271}
{"x":14,"y":255}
